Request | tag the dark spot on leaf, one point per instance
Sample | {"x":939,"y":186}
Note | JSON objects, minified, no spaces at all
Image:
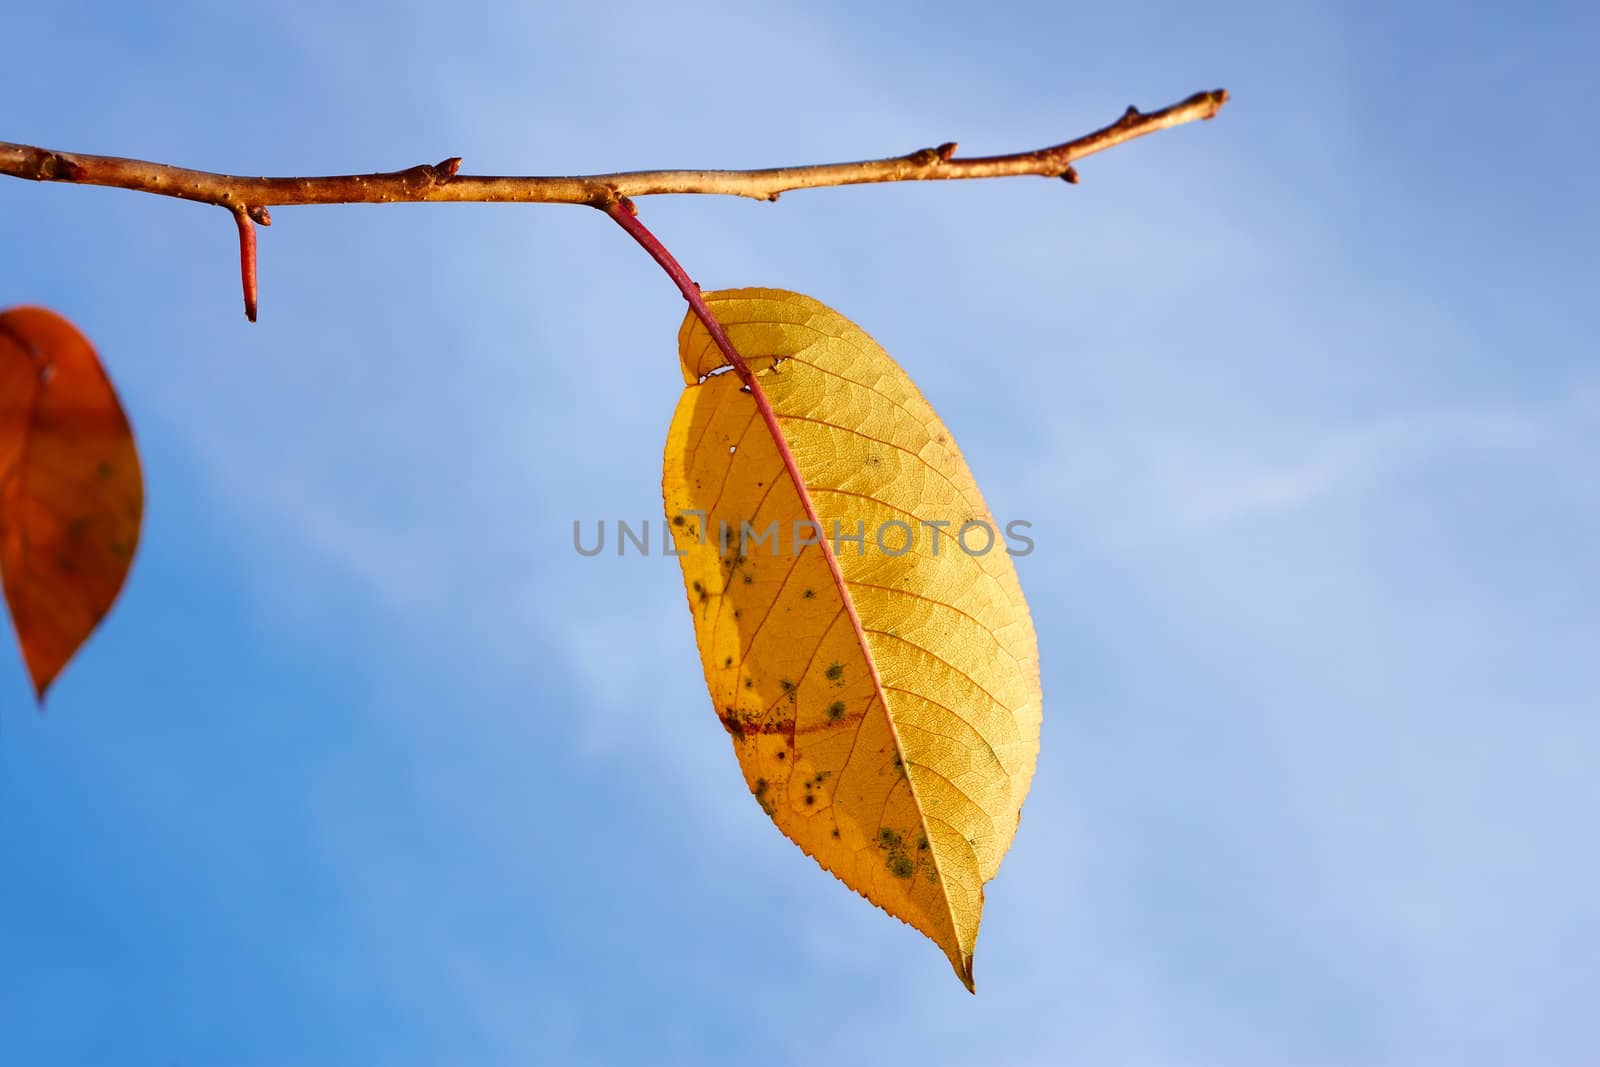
{"x":836,"y":710}
{"x":835,"y":671}
{"x":900,"y":865}
{"x":810,"y":594}
{"x":785,"y":684}
{"x":810,"y":800}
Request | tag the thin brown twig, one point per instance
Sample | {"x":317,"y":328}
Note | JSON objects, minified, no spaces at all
{"x":440,"y":182}
{"x":249,"y":198}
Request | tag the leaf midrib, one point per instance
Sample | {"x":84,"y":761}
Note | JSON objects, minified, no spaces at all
{"x":769,"y":416}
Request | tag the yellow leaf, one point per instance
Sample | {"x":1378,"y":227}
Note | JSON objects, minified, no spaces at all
{"x":883,"y":703}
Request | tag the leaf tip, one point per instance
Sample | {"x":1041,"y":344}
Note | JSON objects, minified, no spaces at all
{"x":42,"y":681}
{"x":964,"y":972}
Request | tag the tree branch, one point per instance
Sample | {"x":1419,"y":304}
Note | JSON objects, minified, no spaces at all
{"x":248,"y":198}
{"x":440,"y":182}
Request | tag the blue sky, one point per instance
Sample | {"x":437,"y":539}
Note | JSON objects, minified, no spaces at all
{"x":369,"y":766}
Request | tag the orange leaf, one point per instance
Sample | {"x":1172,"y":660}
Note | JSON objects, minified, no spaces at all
{"x":71,"y":494}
